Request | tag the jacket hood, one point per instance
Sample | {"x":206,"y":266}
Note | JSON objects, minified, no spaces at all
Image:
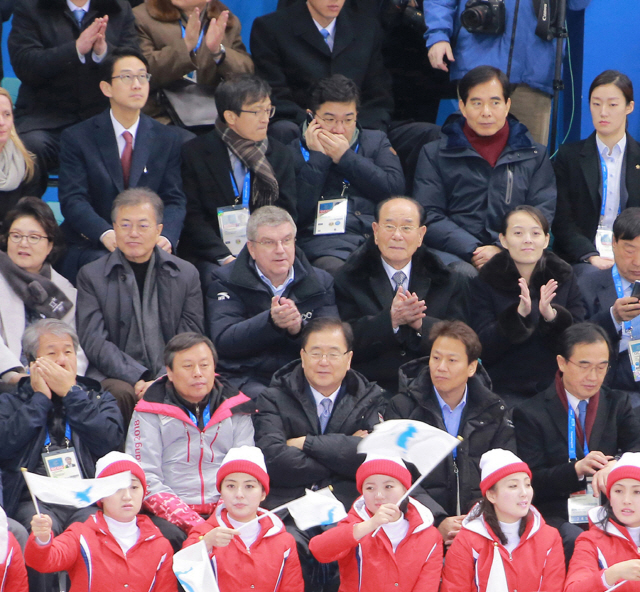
{"x":420,"y":517}
{"x":478,"y":525}
{"x":454,"y":138}
{"x":163,"y":10}
{"x":277,"y":526}
{"x":102,"y":6}
{"x":502,"y":274}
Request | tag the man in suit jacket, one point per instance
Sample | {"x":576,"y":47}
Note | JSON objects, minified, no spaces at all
{"x":56,"y":47}
{"x":610,"y":310}
{"x":604,"y":425}
{"x":392,"y":290}
{"x":97,"y":162}
{"x":579,"y":182}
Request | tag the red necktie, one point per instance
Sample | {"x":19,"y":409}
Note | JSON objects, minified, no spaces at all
{"x":125,"y":159}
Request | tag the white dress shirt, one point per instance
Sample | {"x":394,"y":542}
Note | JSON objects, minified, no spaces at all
{"x":331,"y":28}
{"x":613,"y":160}
{"x":119,"y":129}
{"x":319,"y":397}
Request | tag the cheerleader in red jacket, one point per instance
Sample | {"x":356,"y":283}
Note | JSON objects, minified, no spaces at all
{"x":115,"y":549}
{"x":609,"y":553}
{"x":504,"y":544}
{"x":405,"y":555}
{"x":13,"y":574}
{"x":261,"y":556}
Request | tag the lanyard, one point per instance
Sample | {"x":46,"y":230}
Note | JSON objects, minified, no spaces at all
{"x":206,"y":416}
{"x":246,"y":188}
{"x":620,"y":291}
{"x":605,"y":184}
{"x":197,"y":47}
{"x":67,"y":435}
{"x":572,"y":435}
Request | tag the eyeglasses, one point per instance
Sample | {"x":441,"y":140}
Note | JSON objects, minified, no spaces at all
{"x":128,"y":78}
{"x":586,"y":367}
{"x":391,"y":228}
{"x":269,"y":111}
{"x":272,"y":245}
{"x":331,"y":121}
{"x":127,"y":227}
{"x":32,"y":239}
{"x":333,"y":356}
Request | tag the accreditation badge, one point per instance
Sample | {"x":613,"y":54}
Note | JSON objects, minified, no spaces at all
{"x":580,"y":502}
{"x":604,"y":242}
{"x":634,"y":358}
{"x":62,"y":464}
{"x":331,"y":217}
{"x":232,"y":221}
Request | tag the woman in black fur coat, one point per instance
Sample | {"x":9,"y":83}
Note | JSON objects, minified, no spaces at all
{"x":522,"y":300}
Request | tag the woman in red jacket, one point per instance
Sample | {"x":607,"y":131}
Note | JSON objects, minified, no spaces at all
{"x":380,"y":548}
{"x":13,"y":574}
{"x":504,"y":544}
{"x":246,"y":553}
{"x":608,"y":555}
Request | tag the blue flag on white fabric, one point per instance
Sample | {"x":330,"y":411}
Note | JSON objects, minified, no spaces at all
{"x":78,"y":493}
{"x":192,"y":567}
{"x":316,"y":508}
{"x":414,"y":441}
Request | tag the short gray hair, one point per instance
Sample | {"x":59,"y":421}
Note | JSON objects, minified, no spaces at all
{"x":138,"y":196}
{"x":268,"y":216}
{"x":33,"y":333}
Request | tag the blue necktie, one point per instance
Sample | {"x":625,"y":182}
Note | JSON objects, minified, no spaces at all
{"x":325,"y":414}
{"x":582,"y":417}
{"x":326,"y":36}
{"x":79,"y":14}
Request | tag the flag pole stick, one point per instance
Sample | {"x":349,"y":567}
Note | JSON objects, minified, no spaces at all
{"x":33,"y":497}
{"x":267,"y":512}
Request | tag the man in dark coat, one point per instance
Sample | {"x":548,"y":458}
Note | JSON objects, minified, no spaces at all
{"x":258,"y":305}
{"x":392,"y":314}
{"x":53,"y":411}
{"x":55,"y":53}
{"x":445,"y":391}
{"x":600,"y":421}
{"x":310,"y":421}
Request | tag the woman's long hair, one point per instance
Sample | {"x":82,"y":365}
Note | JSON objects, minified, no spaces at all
{"x":487,"y":510}
{"x":29,"y":159}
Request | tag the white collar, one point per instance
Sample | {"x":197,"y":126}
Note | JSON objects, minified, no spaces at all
{"x":119,"y":129}
{"x":318,"y":396}
{"x":331,"y":27}
{"x":73,"y":7}
{"x":390,"y":270}
{"x":618,"y":149}
{"x":573,"y":401}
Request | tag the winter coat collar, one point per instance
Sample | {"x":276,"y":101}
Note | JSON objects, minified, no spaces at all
{"x":502,"y":274}
{"x":164,"y":261}
{"x":167,"y":13}
{"x":454,"y":138}
{"x":270,"y":526}
{"x":478,"y":525}
{"x":420,"y":517}
{"x":148,"y":530}
{"x":101,"y":6}
{"x":598,"y":514}
{"x":25,"y":390}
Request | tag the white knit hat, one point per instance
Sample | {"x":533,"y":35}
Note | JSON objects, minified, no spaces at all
{"x":628,"y":467}
{"x":118,"y":462}
{"x":392,"y":466}
{"x":497,"y":464}
{"x":244,"y":459}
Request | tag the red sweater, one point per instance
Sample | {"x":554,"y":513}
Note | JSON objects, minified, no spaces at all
{"x":270,"y":564}
{"x":597,"y":550}
{"x":370,"y":564}
{"x":535,"y":565}
{"x":489,"y":147}
{"x":96,"y":563}
{"x":13,"y":574}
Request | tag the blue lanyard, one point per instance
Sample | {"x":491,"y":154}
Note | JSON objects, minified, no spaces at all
{"x":305,"y":152}
{"x":197,"y":47}
{"x":206,"y":416}
{"x":572,"y":435}
{"x":605,"y":184}
{"x":246,"y":188}
{"x":620,"y":291}
{"x":67,"y":435}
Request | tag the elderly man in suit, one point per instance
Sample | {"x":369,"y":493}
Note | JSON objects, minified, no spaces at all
{"x":113,"y":151}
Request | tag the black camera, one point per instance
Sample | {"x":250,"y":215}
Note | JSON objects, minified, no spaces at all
{"x":484,"y":16}
{"x":407,"y":15}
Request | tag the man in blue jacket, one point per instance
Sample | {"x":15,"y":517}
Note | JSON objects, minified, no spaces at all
{"x":528,"y":60}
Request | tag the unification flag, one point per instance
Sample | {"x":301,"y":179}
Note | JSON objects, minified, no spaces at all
{"x":193,"y":569}
{"x":316,"y":508}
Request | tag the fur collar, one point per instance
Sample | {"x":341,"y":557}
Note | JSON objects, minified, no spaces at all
{"x":501,"y":272}
{"x":163,"y":10}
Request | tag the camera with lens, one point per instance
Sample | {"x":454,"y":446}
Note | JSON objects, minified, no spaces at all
{"x":408,"y":14}
{"x":484,"y":16}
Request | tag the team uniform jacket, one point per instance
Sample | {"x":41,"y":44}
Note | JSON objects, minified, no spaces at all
{"x":181,"y":461}
{"x":13,"y":574}
{"x":599,"y":549}
{"x":271,"y":563}
{"x":371,"y":565}
{"x":96,"y":563}
{"x":535,"y":565}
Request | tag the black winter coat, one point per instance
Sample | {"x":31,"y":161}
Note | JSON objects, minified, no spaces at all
{"x":485,"y":424}
{"x":287,"y":410}
{"x":519,"y":353}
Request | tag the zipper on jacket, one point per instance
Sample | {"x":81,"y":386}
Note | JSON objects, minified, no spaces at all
{"x":457,"y":474}
{"x":509,"y":194}
{"x":513,"y":38}
{"x":200,"y":467}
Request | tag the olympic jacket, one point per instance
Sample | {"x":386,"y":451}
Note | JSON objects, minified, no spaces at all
{"x":371,"y":565}
{"x":179,"y":459}
{"x":13,"y":574}
{"x":270,"y":564}
{"x":597,"y":550}
{"x":96,"y":563}
{"x":535,"y":565}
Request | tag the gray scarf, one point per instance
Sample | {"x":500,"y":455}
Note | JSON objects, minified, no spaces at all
{"x":12,"y":167}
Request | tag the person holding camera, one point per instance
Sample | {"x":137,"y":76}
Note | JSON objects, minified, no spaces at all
{"x":506,"y":34}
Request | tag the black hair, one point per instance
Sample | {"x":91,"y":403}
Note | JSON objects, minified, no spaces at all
{"x":487,"y":510}
{"x":335,"y":89}
{"x":318,"y":324}
{"x":417,"y":204}
{"x":108,"y":65}
{"x":184,"y":341}
{"x":622,"y":81}
{"x":236,"y":91}
{"x":534,"y":212}
{"x":627,"y":225}
{"x":480,"y":75}
{"x":460,"y":331}
{"x":581,"y":333}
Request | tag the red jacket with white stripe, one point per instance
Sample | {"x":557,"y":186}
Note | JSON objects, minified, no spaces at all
{"x":597,"y":550}
{"x":271,"y":563}
{"x":370,"y":564}
{"x":96,"y":563}
{"x":13,"y":574}
{"x":535,"y":565}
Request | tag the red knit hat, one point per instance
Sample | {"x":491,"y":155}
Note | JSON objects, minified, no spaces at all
{"x":244,"y":459}
{"x":628,"y":467}
{"x":392,"y":466}
{"x":118,"y":462}
{"x":497,"y":464}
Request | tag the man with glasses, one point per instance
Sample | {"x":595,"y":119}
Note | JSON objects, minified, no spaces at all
{"x":570,"y":433}
{"x":118,"y":149}
{"x":342,"y":171}
{"x":258,"y":305}
{"x":309,"y":424}
{"x":392,"y":290}
{"x":230,"y":172}
{"x":132,"y":301}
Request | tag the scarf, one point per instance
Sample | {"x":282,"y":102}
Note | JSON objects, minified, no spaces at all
{"x":12,"y":167}
{"x":489,"y":147}
{"x":265,"y":189}
{"x":37,"y":291}
{"x":592,"y":408}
